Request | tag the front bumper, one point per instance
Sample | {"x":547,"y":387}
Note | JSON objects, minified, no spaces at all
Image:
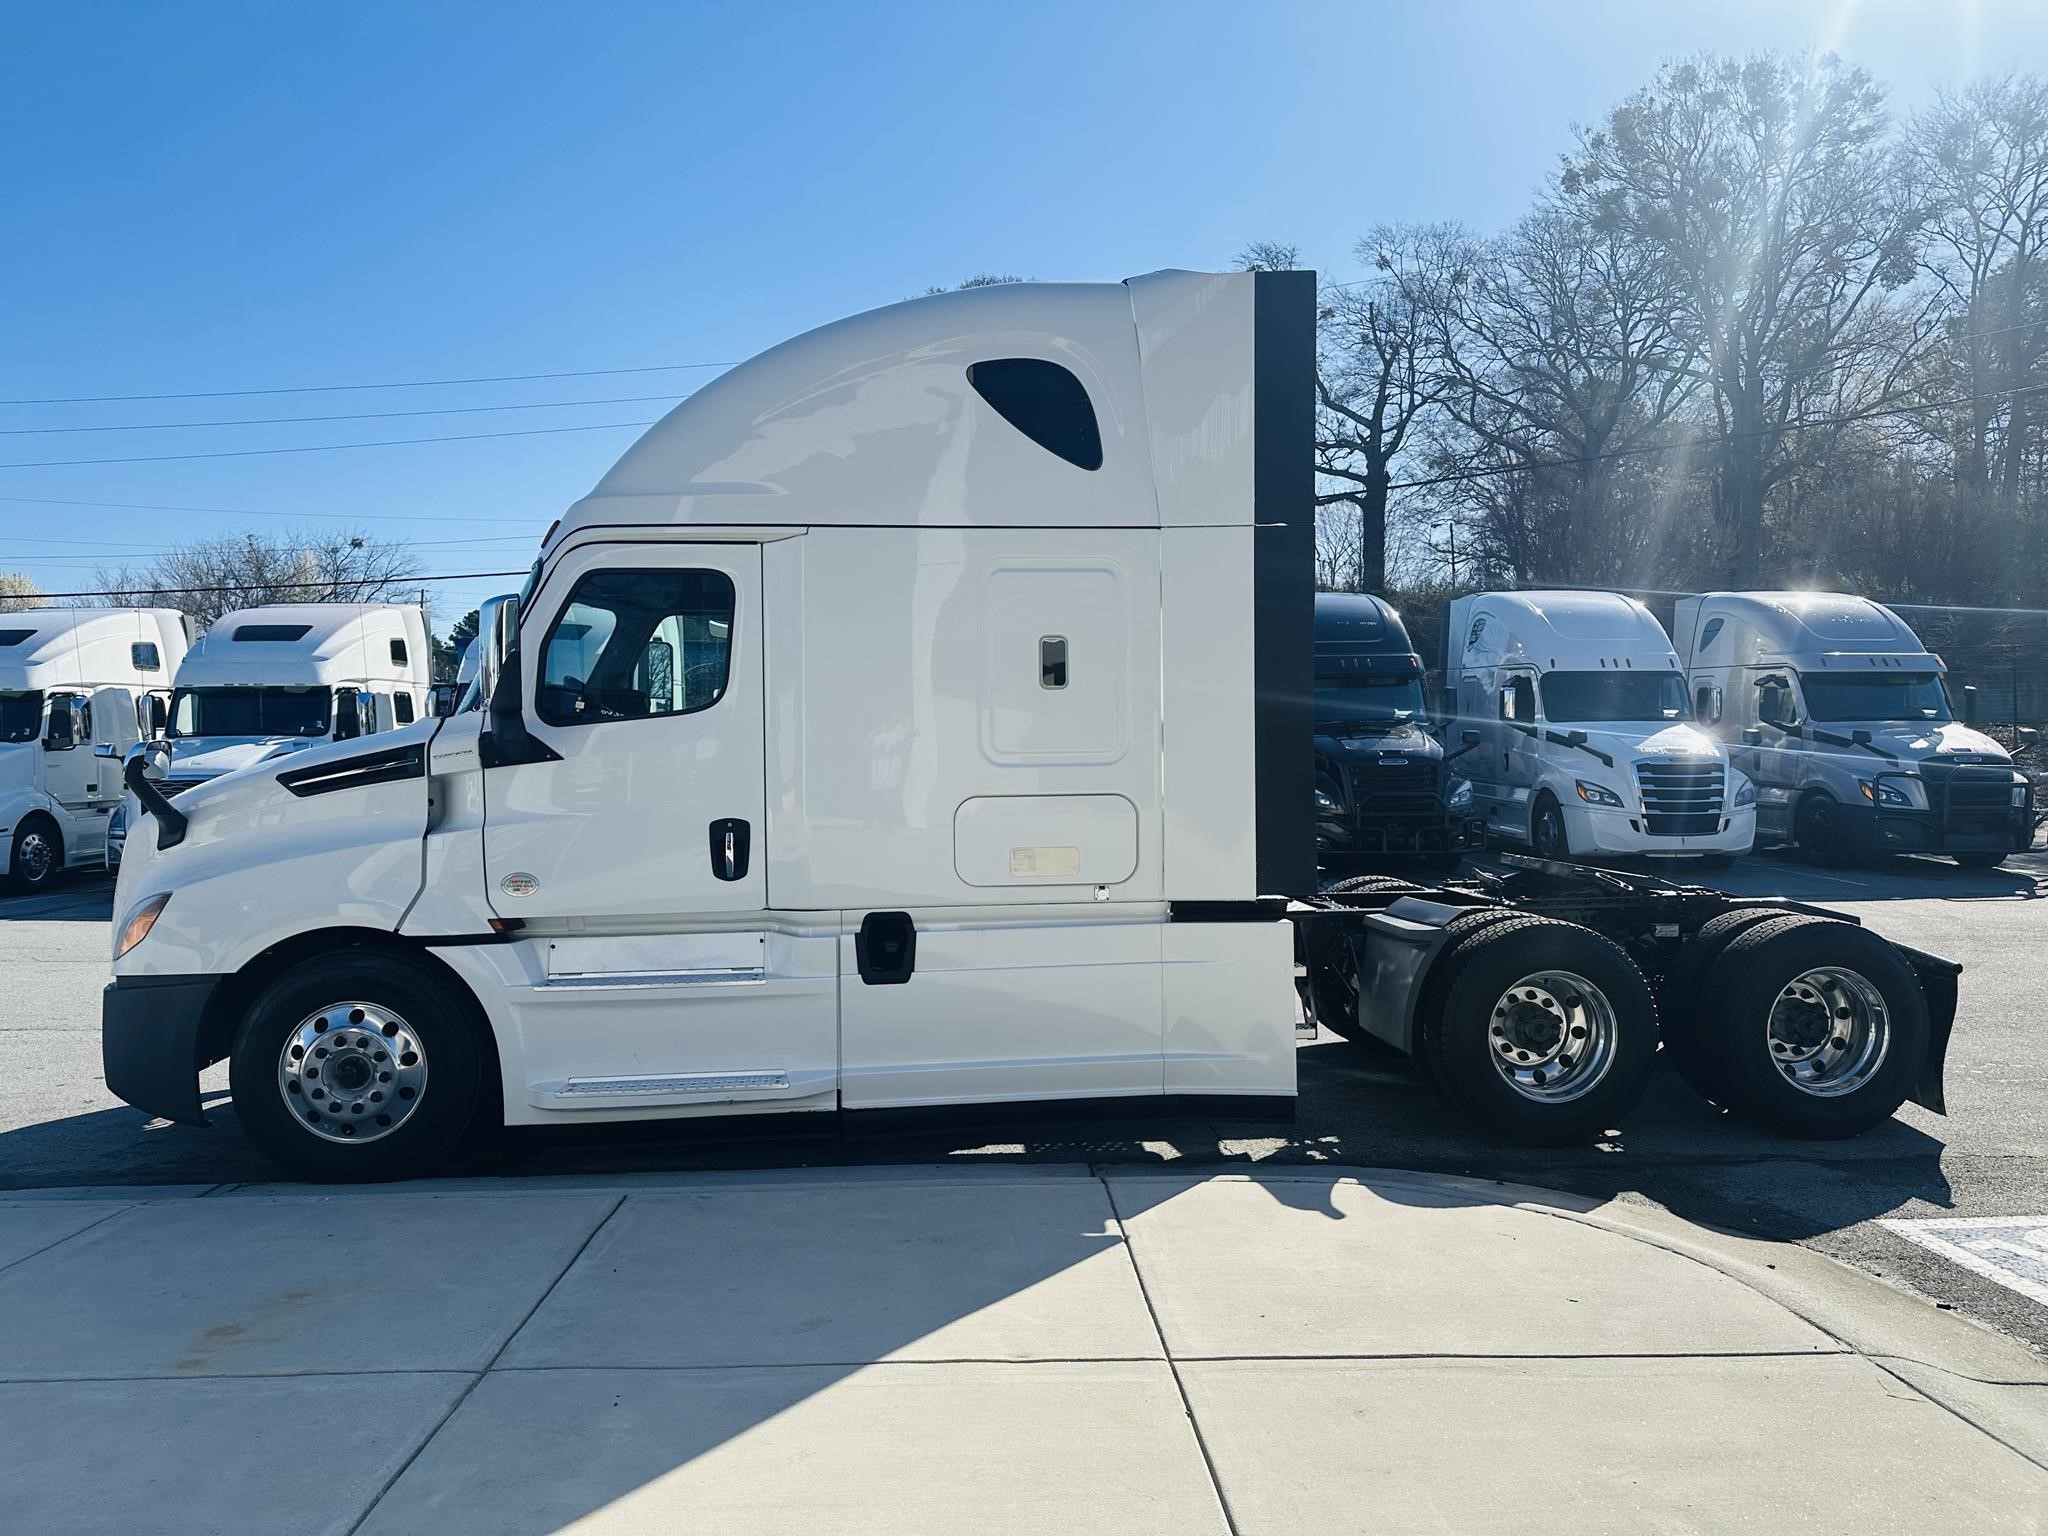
{"x":149,"y":1042}
{"x":1399,"y":834}
{"x":1923,"y":832}
{"x":1603,"y":830}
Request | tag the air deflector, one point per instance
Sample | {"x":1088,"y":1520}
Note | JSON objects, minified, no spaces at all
{"x":1043,"y":401}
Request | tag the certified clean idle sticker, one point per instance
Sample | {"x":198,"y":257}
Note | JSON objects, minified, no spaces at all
{"x":1043,"y":863}
{"x":519,"y":883}
{"x":2012,"y":1250}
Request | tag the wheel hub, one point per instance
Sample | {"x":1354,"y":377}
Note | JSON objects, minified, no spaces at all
{"x":352,"y":1072}
{"x":1829,"y":1030}
{"x":1552,"y":1036}
{"x":36,"y":856}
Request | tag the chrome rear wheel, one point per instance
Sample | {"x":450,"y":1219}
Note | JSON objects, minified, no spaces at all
{"x":1552,"y":1036}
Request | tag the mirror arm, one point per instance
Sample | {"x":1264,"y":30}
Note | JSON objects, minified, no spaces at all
{"x":171,"y":822}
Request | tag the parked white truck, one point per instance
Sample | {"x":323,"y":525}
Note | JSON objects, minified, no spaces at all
{"x":1843,"y":719}
{"x":77,"y":686}
{"x":920,"y":715}
{"x":267,"y":682}
{"x":1587,"y":741}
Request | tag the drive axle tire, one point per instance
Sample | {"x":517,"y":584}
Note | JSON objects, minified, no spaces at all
{"x":1689,"y":1015}
{"x":1361,"y":884}
{"x":1542,"y":1030}
{"x":1334,"y":983}
{"x":1820,"y":1027}
{"x":358,"y":1066}
{"x":1985,"y":860}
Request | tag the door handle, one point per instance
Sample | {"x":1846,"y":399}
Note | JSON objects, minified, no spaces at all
{"x":729,"y":848}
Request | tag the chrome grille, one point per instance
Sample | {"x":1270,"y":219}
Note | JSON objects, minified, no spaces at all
{"x":1682,"y":797}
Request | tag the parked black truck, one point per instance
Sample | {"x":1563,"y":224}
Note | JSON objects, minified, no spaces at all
{"x":1385,"y":787}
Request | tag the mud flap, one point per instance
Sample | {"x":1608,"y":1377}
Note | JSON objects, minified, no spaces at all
{"x":1938,"y":982}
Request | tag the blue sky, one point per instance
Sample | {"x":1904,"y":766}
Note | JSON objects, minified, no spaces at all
{"x":261,"y":196}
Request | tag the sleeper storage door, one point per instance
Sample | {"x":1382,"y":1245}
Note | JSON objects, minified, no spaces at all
{"x":640,"y":797}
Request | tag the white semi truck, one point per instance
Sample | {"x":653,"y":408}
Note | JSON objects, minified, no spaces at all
{"x":77,"y":686}
{"x":263,"y":683}
{"x":1843,"y":719}
{"x":920,"y":715}
{"x":1587,"y":741}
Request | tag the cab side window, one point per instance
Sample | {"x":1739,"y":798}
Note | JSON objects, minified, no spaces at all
{"x":630,"y":645}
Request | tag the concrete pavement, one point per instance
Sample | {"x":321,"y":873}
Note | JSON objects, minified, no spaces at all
{"x":1000,"y":1349}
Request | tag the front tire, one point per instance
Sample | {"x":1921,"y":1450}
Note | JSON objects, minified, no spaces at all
{"x":1821,"y":832}
{"x":1547,"y":836}
{"x":1986,"y":860}
{"x":1823,"y":1028}
{"x":38,"y":857}
{"x":358,"y":1066}
{"x":1546,"y":1032}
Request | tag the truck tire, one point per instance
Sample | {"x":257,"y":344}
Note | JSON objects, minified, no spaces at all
{"x":362,"y":1065}
{"x":1989,"y":859}
{"x":1689,"y":1016}
{"x":1822,"y":1027}
{"x":1822,"y":832}
{"x":1547,"y":836}
{"x":38,"y":857}
{"x":1359,"y":884}
{"x":1545,"y":1032}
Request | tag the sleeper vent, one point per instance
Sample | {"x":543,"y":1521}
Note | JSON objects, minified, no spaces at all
{"x":1043,"y":401}
{"x":272,"y":631}
{"x":14,"y":636}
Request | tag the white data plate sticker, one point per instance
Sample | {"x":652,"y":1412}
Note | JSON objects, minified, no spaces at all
{"x":2012,"y":1250}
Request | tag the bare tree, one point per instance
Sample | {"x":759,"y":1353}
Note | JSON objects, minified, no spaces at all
{"x":18,"y":592}
{"x":212,"y":576}
{"x":1767,"y":191}
{"x":1376,"y":378}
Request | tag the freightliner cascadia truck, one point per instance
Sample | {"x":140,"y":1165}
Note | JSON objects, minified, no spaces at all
{"x":920,"y":715}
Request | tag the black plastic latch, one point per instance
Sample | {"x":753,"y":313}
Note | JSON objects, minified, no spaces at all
{"x":886,"y":948}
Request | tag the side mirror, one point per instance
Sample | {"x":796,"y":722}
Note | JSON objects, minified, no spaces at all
{"x":63,"y":735}
{"x":155,"y":757}
{"x":1575,"y":738}
{"x":1970,"y":704}
{"x":497,"y":630}
{"x":2029,"y":737}
{"x":105,"y":749}
{"x":442,"y":698}
{"x":1861,"y":738}
{"x":348,"y":714}
{"x":1752,"y":736}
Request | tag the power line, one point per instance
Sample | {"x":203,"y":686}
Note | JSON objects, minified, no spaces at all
{"x":255,"y":453}
{"x":346,"y":517}
{"x":325,"y":389}
{"x":278,"y":421}
{"x":398,"y":583}
{"x":1461,"y":475}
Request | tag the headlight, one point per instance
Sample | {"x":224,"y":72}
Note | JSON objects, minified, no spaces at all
{"x":139,"y":922}
{"x":1325,"y":801}
{"x":1593,"y":794}
{"x":1461,"y":795}
{"x":1895,"y":794}
{"x":1745,"y":794}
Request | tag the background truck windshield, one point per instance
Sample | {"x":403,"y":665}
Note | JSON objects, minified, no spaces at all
{"x":1916,"y":696}
{"x":1355,"y":696}
{"x":21,"y":716}
{"x":249,"y":712}
{"x":1588,"y":696}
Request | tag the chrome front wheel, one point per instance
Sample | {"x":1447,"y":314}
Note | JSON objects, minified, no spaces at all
{"x":352,"y":1071}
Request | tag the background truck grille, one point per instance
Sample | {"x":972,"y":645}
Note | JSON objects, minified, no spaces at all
{"x":1681,"y":798}
{"x":1969,"y":800}
{"x":1394,"y":789}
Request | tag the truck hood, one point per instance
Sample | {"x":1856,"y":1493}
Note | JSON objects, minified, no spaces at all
{"x":1354,"y":742}
{"x":208,"y":757}
{"x":1625,"y":740}
{"x":1950,"y":743}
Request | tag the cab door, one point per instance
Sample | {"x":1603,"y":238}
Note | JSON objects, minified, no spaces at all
{"x":639,"y":794}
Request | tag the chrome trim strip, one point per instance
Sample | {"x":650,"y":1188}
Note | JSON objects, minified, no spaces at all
{"x":751,"y":976}
{"x":671,"y":1084}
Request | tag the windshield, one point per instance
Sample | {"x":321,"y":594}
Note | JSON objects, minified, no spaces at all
{"x":1357,"y":697}
{"x":1916,"y":696}
{"x":249,"y":712}
{"x":21,"y":716}
{"x":1591,"y":696}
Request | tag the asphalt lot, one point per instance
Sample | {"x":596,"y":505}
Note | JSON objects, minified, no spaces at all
{"x":1987,"y":1158}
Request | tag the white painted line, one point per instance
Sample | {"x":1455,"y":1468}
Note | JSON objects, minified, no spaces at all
{"x":2011,"y":1251}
